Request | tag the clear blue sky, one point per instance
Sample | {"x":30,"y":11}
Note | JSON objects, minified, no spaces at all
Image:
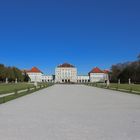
{"x":86,"y":33}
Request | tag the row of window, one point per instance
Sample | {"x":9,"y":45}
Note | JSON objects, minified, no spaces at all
{"x":62,"y":77}
{"x":66,"y":74}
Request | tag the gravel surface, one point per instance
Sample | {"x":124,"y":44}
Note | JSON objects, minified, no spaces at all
{"x":71,"y":112}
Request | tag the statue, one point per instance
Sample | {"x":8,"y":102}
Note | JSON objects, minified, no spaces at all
{"x":6,"y":80}
{"x":129,"y":80}
{"x":35,"y":83}
{"x":16,"y":81}
{"x":119,"y":81}
{"x":108,"y":83}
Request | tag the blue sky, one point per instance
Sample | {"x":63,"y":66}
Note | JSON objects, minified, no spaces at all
{"x":86,"y":33}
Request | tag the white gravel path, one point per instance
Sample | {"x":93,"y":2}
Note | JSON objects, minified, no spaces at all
{"x":71,"y":112}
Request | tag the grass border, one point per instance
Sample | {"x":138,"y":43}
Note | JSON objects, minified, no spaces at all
{"x":21,"y":94}
{"x":115,"y":89}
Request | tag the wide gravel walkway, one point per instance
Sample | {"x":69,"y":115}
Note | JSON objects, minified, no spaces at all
{"x":71,"y":112}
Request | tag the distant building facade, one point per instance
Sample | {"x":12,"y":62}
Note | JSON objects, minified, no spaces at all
{"x":47,"y":78}
{"x":97,"y":75}
{"x":67,"y":73}
{"x":83,"y":79}
{"x":36,"y":75}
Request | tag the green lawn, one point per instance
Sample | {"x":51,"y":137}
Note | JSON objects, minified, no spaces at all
{"x":5,"y":88}
{"x":133,"y":87}
{"x":8,"y":88}
{"x":124,"y":87}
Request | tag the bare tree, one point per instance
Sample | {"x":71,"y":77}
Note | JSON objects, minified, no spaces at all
{"x":138,"y":57}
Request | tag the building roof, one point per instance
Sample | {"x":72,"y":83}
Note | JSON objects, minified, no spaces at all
{"x":96,"y":70}
{"x":66,"y":65}
{"x":34,"y":70}
{"x":106,"y":71}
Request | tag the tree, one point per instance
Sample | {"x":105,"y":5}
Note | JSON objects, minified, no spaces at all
{"x":12,"y":73}
{"x":138,"y":57}
{"x":26,"y":77}
{"x":2,"y":72}
{"x":127,"y":70}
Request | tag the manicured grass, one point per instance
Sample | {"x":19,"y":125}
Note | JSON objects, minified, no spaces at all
{"x":29,"y":90}
{"x":17,"y":95}
{"x":13,"y":96}
{"x":132,"y":88}
{"x":11,"y":87}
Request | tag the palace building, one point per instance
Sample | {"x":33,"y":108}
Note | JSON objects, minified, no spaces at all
{"x":98,"y":75}
{"x":67,"y":73}
{"x":35,"y":74}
